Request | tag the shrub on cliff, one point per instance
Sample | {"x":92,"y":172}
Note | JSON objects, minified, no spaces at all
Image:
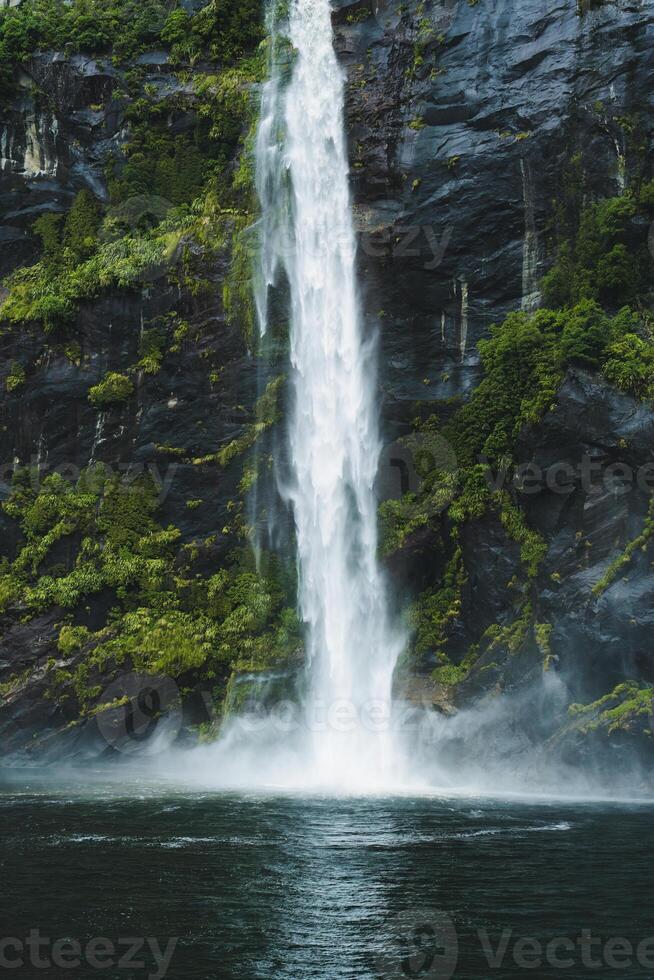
{"x":605,"y":260}
{"x":81,"y":228}
{"x":123,"y":27}
{"x":629,"y":365}
{"x":113,"y":388}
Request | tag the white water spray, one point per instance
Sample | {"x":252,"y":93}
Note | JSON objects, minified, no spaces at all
{"x":302,"y":178}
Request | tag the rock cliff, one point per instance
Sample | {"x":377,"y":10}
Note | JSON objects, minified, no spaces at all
{"x":471,"y":127}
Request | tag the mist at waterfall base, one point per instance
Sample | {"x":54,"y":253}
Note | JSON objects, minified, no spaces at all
{"x":497,"y":748}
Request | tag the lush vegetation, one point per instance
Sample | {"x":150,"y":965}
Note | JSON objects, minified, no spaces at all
{"x":628,"y":706}
{"x":113,"y":388}
{"x":223,"y":30}
{"x":639,"y":543}
{"x":607,"y":260}
{"x":598,"y":318}
{"x":180,"y":195}
{"x":183,"y":176}
{"x":100,"y":537}
{"x":122,"y":28}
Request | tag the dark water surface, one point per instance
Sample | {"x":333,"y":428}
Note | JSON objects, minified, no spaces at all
{"x":258,"y":887}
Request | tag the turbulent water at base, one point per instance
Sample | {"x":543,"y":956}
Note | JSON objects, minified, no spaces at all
{"x":302,"y":175}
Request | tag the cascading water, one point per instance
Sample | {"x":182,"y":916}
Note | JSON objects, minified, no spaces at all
{"x":307,"y":230}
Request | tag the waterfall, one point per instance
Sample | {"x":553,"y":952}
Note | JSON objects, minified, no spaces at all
{"x":333,"y":439}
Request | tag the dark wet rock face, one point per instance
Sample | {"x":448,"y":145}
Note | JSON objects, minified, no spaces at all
{"x":59,"y":134}
{"x":462,"y":118}
{"x":52,"y":148}
{"x":600,"y":635}
{"x":585,"y":478}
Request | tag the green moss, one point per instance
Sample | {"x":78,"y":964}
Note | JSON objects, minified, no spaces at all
{"x":168,"y":615}
{"x":113,"y":389}
{"x":400,"y":518}
{"x":168,"y":618}
{"x":124,"y":27}
{"x":646,"y":196}
{"x":238,"y":297}
{"x":543,"y":634}
{"x":512,"y":636}
{"x":14,"y":684}
{"x":168,"y":644}
{"x":80,"y":235}
{"x":532,"y":547}
{"x":173,"y":168}
{"x":166,"y":188}
{"x":436,"y":609}
{"x":601,"y":260}
{"x":224,"y":30}
{"x":267,"y":413}
{"x":624,"y":706}
{"x":221,"y":30}
{"x":16,"y":377}
{"x":473,"y":497}
{"x":48,"y":229}
{"x":34,"y":294}
{"x":522,"y":371}
{"x":9,"y":590}
{"x":629,"y":360}
{"x":72,"y":639}
{"x":639,"y":543}
{"x":151,"y":351}
{"x":450,"y":674}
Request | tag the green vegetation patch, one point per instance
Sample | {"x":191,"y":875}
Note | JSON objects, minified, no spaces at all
{"x":167,"y":617}
{"x":114,"y":388}
{"x":639,"y":543}
{"x":222,"y":31}
{"x":625,"y":707}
